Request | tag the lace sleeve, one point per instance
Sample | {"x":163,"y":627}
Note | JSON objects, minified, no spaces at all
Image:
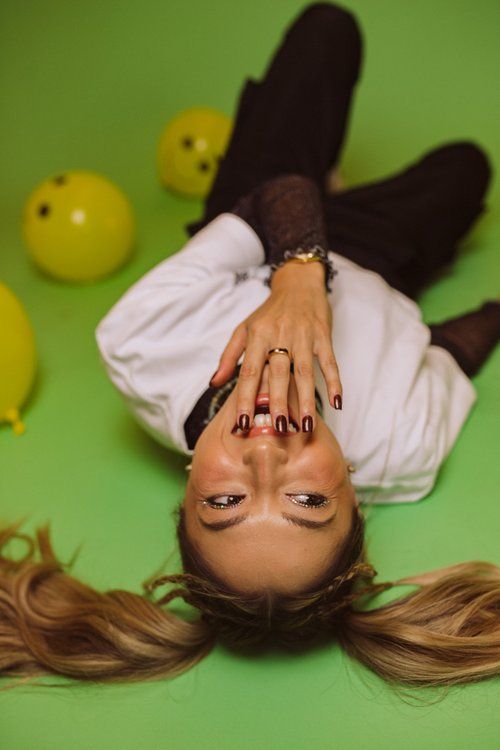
{"x":287,"y":214}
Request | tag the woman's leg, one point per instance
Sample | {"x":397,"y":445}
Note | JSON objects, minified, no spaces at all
{"x":408,"y":226}
{"x":470,"y":338}
{"x":294,"y":120}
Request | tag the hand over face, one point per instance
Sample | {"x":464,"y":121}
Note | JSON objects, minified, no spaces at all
{"x":297,"y":316}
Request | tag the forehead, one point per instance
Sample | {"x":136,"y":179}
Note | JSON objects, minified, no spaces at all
{"x":278,"y":555}
{"x":262,"y":561}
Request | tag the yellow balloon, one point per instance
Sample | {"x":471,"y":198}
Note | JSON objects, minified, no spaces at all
{"x":78,"y":226}
{"x":191,"y":148}
{"x":17,"y":358}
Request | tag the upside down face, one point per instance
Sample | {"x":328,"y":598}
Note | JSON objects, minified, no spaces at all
{"x":268,"y":509}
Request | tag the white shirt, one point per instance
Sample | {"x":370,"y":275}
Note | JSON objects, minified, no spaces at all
{"x":404,"y":401}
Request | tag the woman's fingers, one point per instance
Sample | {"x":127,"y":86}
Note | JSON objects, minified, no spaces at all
{"x":279,"y":379}
{"x":248,"y":381}
{"x":304,"y":380}
{"x":230,"y":356}
{"x":330,"y":371}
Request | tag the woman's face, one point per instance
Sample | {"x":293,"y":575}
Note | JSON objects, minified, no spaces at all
{"x":267,"y":509}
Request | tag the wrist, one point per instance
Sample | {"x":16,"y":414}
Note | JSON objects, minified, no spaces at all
{"x":299,"y":273}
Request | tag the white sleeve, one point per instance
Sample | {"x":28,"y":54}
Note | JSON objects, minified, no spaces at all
{"x":145,"y":339}
{"x":227,"y":243}
{"x":426,"y":428}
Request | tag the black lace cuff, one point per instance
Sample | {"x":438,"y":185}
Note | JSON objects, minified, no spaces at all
{"x":286,"y":212}
{"x":330,"y":271}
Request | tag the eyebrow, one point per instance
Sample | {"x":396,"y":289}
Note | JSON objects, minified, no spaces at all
{"x":296,"y":520}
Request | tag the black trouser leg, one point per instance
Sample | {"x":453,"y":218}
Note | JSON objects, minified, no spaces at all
{"x":408,"y":226}
{"x":470,"y":338}
{"x":294,"y":120}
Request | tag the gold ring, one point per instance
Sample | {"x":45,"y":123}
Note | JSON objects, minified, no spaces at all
{"x":278,"y":350}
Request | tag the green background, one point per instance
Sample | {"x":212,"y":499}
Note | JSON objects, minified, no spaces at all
{"x":90,"y":84}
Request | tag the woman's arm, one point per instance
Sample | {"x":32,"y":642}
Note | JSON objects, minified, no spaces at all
{"x":296,"y":315}
{"x":286,"y":212}
{"x":150,"y":339}
{"x":228,"y":244}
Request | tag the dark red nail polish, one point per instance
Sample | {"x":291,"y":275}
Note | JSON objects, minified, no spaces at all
{"x":281,"y":423}
{"x":337,"y":402}
{"x":307,"y":424}
{"x":213,"y":376}
{"x":244,"y":422}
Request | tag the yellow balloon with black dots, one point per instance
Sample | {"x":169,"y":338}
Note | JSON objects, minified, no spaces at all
{"x":17,"y":358}
{"x":78,"y":226}
{"x":191,"y":148}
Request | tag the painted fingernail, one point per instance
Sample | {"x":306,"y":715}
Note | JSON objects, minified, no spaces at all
{"x":337,"y":402}
{"x":213,"y":376}
{"x":307,"y":424}
{"x":244,"y":422}
{"x":281,"y":423}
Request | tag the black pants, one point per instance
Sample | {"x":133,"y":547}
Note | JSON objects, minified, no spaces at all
{"x":406,"y":226}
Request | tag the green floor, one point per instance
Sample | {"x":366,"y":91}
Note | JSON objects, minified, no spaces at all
{"x":90,"y":84}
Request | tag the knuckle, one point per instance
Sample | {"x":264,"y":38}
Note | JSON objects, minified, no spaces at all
{"x":329,"y":361}
{"x":304,"y":369}
{"x":322,"y":329}
{"x":237,"y":337}
{"x":281,"y":320}
{"x":257,"y":330}
{"x":248,"y":371}
{"x":280,"y":370}
{"x":307,"y":324}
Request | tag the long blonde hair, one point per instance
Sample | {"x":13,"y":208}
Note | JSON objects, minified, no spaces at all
{"x":446,"y":632}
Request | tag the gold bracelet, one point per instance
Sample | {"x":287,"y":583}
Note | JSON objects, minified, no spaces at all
{"x":316,"y":254}
{"x":304,"y":258}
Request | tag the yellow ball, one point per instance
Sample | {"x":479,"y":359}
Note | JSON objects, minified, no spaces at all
{"x":78,"y":226}
{"x":190,"y":149}
{"x":17,"y":358}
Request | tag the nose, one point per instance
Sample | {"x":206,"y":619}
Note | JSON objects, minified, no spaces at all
{"x":265,"y":455}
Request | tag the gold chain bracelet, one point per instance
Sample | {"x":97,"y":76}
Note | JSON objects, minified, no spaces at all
{"x":304,"y":258}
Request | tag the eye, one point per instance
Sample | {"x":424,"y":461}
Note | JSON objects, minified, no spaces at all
{"x":307,"y":500}
{"x":43,"y":210}
{"x":223,"y":501}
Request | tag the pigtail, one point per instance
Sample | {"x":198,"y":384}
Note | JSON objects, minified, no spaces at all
{"x":445,"y":633}
{"x":52,"y":624}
